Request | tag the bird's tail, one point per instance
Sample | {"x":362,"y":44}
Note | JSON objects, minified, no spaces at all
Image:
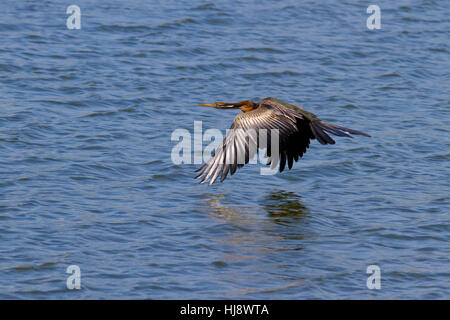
{"x":320,"y":128}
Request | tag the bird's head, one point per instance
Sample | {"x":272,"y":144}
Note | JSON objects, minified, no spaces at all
{"x":245,"y":106}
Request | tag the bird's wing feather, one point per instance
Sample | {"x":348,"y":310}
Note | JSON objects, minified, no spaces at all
{"x":318,"y":127}
{"x":242,"y":141}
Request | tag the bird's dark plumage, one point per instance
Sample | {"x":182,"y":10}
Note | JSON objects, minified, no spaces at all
{"x":296,"y":127}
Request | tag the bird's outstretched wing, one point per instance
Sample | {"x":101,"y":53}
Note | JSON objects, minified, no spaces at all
{"x":305,"y":119}
{"x":309,"y":127}
{"x":242,"y":141}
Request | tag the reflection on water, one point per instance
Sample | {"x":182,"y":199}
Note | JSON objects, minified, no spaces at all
{"x":258,"y":239}
{"x":218,"y":208}
{"x":281,"y":206}
{"x":280,"y":217}
{"x":284,"y":206}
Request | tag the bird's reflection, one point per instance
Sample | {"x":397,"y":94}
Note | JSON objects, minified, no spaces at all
{"x":284,"y":207}
{"x":264,"y":239}
{"x":281,"y":206}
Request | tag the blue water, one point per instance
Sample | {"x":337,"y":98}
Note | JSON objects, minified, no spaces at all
{"x":85,"y":150}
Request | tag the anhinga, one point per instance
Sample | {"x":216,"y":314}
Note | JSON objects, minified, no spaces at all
{"x":296,"y":127}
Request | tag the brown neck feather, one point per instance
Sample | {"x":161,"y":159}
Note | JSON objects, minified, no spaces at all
{"x":247,"y":106}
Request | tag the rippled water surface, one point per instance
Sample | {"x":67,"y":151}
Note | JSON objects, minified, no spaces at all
{"x":85,"y":150}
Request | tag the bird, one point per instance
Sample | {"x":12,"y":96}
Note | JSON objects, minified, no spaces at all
{"x":296,"y":128}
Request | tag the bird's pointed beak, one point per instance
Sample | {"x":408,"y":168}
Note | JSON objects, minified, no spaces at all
{"x":221,"y":105}
{"x":214,"y":105}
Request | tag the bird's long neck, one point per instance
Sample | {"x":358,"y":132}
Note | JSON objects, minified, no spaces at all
{"x":247,"y":106}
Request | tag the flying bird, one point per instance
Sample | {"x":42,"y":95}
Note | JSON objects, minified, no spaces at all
{"x":296,"y":127}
